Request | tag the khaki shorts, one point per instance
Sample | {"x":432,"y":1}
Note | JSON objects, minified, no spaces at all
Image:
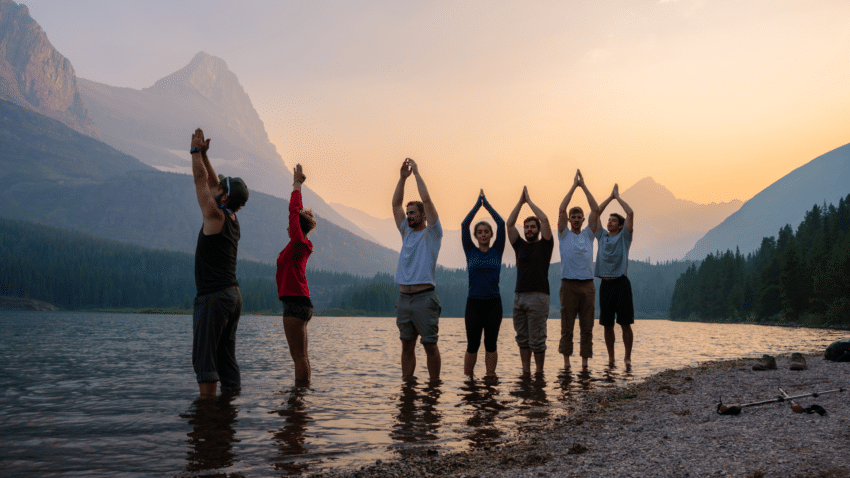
{"x":418,"y":315}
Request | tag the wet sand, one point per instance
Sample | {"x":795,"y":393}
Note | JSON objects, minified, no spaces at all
{"x":668,"y":425}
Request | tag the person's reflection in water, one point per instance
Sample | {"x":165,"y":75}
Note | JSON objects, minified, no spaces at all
{"x":418,"y":419}
{"x":481,"y":396}
{"x":290,"y":439}
{"x":533,"y":404}
{"x":573,"y":389}
{"x":212,"y":437}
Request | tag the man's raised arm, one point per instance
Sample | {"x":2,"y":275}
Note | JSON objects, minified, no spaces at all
{"x":430,"y":209}
{"x":606,"y":202}
{"x":398,"y":196}
{"x":563,"y":217}
{"x":545,"y":227}
{"x":212,"y":180}
{"x":510,"y":225}
{"x":630,"y":214}
{"x":593,"y":218}
{"x":204,"y":186}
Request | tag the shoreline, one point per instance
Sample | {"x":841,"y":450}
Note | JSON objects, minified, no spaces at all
{"x":667,"y":425}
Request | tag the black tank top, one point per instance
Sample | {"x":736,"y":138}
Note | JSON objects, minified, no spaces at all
{"x":215,"y":258}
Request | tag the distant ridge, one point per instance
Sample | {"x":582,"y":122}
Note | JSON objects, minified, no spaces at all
{"x":667,"y":227}
{"x":824,"y":179}
{"x":36,"y":76}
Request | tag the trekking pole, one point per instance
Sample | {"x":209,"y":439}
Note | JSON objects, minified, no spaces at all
{"x":795,"y":407}
{"x":736,"y":409}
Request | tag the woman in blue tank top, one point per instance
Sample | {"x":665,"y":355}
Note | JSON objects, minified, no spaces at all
{"x":484,"y":303}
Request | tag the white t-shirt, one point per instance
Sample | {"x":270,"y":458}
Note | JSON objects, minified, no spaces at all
{"x":576,"y":253}
{"x":417,"y":262}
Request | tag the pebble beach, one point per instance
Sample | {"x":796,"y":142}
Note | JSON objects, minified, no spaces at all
{"x":668,"y":425}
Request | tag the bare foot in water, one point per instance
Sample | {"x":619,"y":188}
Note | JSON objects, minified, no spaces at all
{"x":584,"y":362}
{"x":567,"y":362}
{"x":628,"y":362}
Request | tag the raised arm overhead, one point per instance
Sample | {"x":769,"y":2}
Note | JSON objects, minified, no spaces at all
{"x":513,"y":234}
{"x":563,"y":217}
{"x":424,"y":196}
{"x":593,"y":219}
{"x":398,"y":196}
{"x":207,"y":185}
{"x":545,"y":227}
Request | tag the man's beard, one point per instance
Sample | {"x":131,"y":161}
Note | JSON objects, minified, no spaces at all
{"x":532,"y":237}
{"x":413,"y":222}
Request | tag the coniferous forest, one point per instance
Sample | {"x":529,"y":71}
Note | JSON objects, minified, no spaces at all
{"x":800,"y":276}
{"x":76,"y":271}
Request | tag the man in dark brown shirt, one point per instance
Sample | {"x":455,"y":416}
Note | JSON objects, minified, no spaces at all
{"x":531,"y":298}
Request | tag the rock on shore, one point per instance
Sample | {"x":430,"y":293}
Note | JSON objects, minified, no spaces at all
{"x":668,"y":425}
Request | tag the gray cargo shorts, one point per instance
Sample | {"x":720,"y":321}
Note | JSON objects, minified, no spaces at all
{"x":418,"y":315}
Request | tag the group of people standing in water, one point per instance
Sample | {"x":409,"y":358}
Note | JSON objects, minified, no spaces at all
{"x":418,"y":307}
{"x":218,"y":303}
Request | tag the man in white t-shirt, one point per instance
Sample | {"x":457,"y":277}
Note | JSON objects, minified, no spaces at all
{"x":418,"y":307}
{"x":578,"y":293}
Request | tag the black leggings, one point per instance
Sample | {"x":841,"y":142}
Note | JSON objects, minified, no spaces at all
{"x":486,"y":315}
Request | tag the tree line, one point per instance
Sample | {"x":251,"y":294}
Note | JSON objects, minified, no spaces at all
{"x":76,"y":271}
{"x":652,"y":290}
{"x":801,"y":276}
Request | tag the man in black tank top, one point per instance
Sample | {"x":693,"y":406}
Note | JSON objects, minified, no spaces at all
{"x":218,"y":303}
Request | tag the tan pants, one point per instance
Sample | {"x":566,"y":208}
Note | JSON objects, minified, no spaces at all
{"x":531,"y":311}
{"x":577,"y":298}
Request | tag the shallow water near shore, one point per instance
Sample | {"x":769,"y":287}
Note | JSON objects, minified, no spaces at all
{"x":114,"y":394}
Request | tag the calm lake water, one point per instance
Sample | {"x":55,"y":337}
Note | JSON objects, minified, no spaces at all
{"x":114,"y":394}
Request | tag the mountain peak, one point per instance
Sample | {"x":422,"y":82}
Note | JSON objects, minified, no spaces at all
{"x":209,"y":75}
{"x":204,"y":73}
{"x":647,"y":187}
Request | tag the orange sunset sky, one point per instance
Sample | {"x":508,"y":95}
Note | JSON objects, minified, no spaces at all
{"x":715,"y":100}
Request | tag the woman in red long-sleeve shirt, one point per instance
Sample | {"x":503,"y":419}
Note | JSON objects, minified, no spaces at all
{"x":292,"y":279}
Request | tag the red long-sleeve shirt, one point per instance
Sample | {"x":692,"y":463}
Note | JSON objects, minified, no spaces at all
{"x":292,"y":261}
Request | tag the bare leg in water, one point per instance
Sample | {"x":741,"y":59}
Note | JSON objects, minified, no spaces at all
{"x":628,"y":338}
{"x":490,"y":359}
{"x":469,"y":363}
{"x":296,"y":337}
{"x":609,"y":343}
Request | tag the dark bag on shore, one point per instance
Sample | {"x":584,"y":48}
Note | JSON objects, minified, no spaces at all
{"x":838,"y":351}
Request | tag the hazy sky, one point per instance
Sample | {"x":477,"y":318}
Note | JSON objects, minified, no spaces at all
{"x":715,"y":100}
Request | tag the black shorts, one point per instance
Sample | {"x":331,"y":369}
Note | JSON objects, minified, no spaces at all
{"x":615,"y":297}
{"x":297,"y":310}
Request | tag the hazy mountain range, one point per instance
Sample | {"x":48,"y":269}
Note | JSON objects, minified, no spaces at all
{"x":825,"y":179}
{"x":126,"y":188}
{"x":54,"y":175}
{"x":666,"y":227}
{"x":154,"y":125}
